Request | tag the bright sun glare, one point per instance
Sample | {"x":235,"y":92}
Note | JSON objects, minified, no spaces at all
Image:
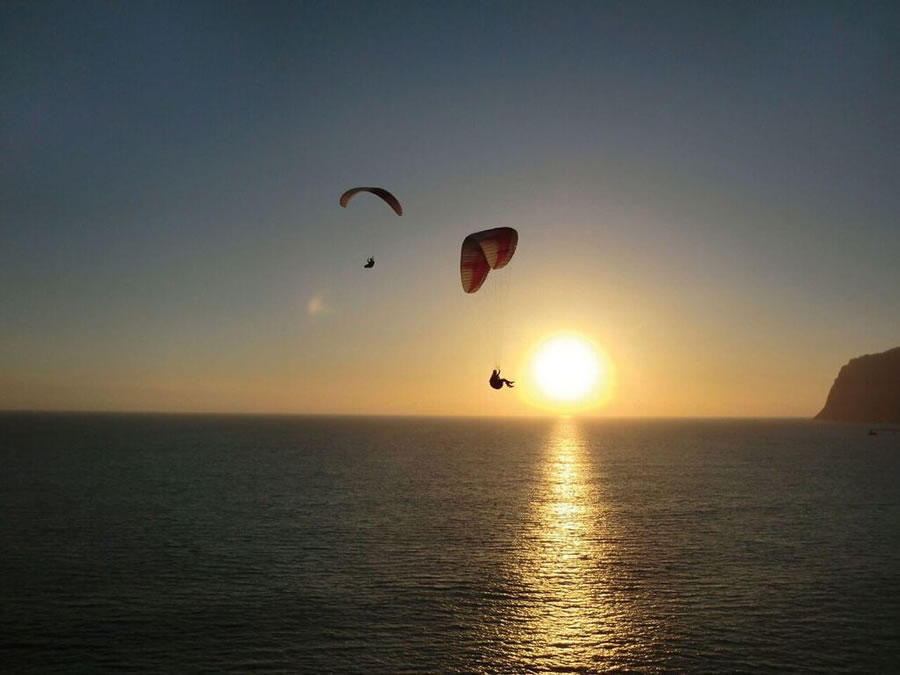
{"x":567,"y":369}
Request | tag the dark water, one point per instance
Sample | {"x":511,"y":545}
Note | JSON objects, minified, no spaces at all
{"x":186,"y":544}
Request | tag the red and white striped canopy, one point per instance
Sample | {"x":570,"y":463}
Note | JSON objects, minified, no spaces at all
{"x":485,"y":251}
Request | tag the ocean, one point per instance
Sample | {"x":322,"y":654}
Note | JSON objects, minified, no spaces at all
{"x":204,"y":543}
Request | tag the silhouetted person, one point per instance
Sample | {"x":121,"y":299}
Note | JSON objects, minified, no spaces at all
{"x":370,"y":263}
{"x":497,"y":382}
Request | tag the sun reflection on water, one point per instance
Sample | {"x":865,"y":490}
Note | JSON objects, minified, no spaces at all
{"x":572,"y":622}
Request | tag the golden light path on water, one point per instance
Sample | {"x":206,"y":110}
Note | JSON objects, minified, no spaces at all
{"x":574,"y":622}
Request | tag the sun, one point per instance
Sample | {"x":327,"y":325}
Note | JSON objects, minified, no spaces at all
{"x":568,"y":370}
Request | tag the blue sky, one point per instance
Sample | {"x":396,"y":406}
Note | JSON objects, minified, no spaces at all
{"x":707,"y":190}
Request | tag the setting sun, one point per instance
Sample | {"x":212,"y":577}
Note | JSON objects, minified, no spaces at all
{"x":568,"y":370}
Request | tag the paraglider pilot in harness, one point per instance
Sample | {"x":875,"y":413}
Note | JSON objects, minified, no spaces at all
{"x":370,"y":263}
{"x":497,"y":382}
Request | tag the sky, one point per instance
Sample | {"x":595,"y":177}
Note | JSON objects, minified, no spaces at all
{"x":707,"y":192}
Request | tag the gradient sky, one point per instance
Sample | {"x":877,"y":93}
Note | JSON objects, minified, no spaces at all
{"x":707,"y":191}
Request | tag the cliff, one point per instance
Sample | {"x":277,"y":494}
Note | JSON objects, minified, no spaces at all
{"x":866,"y":390}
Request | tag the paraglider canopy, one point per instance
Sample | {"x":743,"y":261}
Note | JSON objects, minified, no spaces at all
{"x":485,"y":251}
{"x":390,"y":199}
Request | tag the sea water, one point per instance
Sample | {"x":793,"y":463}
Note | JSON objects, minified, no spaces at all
{"x":175,"y":544}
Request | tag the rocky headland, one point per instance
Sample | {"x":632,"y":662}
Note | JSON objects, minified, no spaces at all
{"x":867,"y":389}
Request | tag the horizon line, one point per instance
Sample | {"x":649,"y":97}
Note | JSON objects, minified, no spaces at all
{"x":215,"y":413}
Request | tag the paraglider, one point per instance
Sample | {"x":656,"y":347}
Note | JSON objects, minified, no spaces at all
{"x":482,"y":252}
{"x":390,"y":199}
{"x":485,"y":251}
{"x":386,"y":196}
{"x":497,"y":382}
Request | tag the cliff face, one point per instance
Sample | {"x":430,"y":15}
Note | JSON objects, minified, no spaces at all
{"x":866,"y":390}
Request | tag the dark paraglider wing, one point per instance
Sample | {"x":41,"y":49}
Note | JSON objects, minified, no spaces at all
{"x":390,"y":199}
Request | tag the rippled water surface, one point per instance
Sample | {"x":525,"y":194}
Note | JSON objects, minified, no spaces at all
{"x":204,"y":543}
